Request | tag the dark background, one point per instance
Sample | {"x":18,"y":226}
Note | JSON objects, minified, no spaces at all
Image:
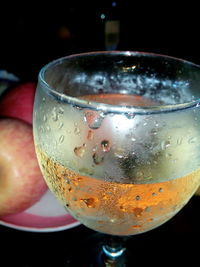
{"x":31,"y":35}
{"x":176,"y":243}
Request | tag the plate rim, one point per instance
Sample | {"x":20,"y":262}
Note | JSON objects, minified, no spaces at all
{"x":39,"y":229}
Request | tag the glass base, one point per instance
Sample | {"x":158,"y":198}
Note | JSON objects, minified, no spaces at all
{"x":98,"y":251}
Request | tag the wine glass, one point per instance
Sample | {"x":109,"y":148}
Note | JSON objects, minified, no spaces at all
{"x":117,"y":136}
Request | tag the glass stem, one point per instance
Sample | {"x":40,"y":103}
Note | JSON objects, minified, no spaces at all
{"x":113,"y":252}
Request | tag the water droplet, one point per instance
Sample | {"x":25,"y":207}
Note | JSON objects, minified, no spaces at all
{"x":140,"y":174}
{"x":153,"y":132}
{"x":43,"y":99}
{"x":179,"y":141}
{"x":54,"y":114}
{"x":90,"y":135}
{"x":77,"y":131}
{"x":191,"y":140}
{"x":60,"y":110}
{"x":154,"y":194}
{"x":160,"y":190}
{"x":60,"y":125}
{"x":61,"y":139}
{"x":98,"y":159}
{"x":130,"y":115}
{"x":41,"y":128}
{"x":80,"y":151}
{"x":198,"y":105}
{"x":119,"y":154}
{"x":94,"y":119}
{"x":105,"y":144}
{"x":90,"y":202}
{"x":86,"y":171}
{"x":165,"y":144}
{"x":94,"y":149}
{"x":44,"y":118}
{"x":168,"y":155}
{"x":48,"y":128}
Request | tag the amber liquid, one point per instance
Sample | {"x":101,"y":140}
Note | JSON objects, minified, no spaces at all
{"x":114,"y":208}
{"x":117,"y":208}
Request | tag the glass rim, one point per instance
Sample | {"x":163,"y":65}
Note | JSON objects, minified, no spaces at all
{"x":109,"y":108}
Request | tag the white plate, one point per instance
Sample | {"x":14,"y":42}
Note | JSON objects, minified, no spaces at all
{"x":47,"y":215}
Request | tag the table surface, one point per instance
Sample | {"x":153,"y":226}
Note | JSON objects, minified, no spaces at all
{"x":175,"y":242}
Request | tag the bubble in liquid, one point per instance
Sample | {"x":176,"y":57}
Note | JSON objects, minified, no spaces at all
{"x":70,"y":189}
{"x":137,"y":226}
{"x":67,"y":180}
{"x":94,"y":119}
{"x":137,"y":197}
{"x":138,"y":212}
{"x":80,"y":151}
{"x":122,"y":208}
{"x":105,"y":144}
{"x":160,"y":190}
{"x":90,"y":202}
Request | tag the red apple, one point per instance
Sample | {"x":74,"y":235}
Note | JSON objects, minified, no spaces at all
{"x":21,"y":182}
{"x":17,"y":102}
